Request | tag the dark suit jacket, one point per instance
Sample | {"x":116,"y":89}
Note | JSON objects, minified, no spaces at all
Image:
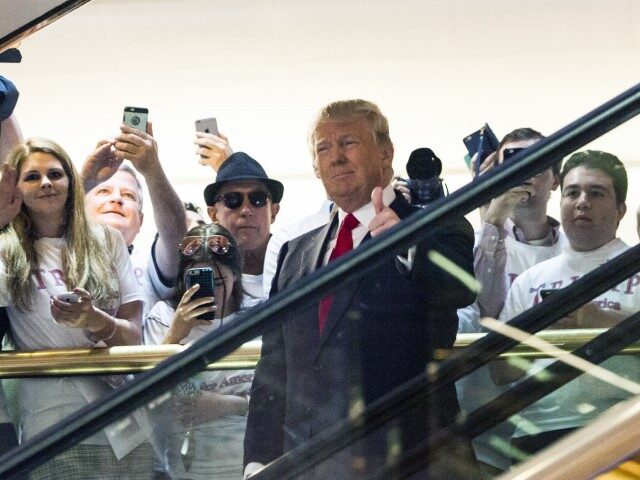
{"x":381,"y":331}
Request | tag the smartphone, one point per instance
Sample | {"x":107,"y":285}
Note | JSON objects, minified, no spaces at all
{"x":136,"y":117}
{"x":207,"y":125}
{"x":203,"y":276}
{"x":510,"y":152}
{"x":68,"y":297}
{"x":545,"y":293}
{"x":483,"y":142}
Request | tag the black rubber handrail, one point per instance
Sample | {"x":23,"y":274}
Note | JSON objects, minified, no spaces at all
{"x":514,"y":400}
{"x":273,"y":312}
{"x":39,"y":22}
{"x":418,"y":390}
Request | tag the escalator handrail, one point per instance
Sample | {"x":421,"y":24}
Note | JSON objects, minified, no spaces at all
{"x":39,"y":22}
{"x":519,"y":397}
{"x":419,"y":389}
{"x":354,"y":265}
{"x":141,"y":358}
{"x":611,"y":438}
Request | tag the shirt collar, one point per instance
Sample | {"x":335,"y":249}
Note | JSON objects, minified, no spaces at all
{"x":366,"y":213}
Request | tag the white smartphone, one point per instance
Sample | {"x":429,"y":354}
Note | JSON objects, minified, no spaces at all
{"x":68,"y":297}
{"x":136,"y":117}
{"x":207,"y":125}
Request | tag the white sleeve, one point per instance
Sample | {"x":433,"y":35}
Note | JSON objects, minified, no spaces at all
{"x":156,"y":323}
{"x":271,"y":260}
{"x":129,"y":288}
{"x":161,"y":290}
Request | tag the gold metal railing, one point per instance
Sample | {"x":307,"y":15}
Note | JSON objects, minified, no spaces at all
{"x":132,"y":359}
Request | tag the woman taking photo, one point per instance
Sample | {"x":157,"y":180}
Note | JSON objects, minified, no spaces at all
{"x":51,"y":252}
{"x":199,"y":433}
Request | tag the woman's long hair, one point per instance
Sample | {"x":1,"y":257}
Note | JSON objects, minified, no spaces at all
{"x":86,"y":259}
{"x":231,"y":259}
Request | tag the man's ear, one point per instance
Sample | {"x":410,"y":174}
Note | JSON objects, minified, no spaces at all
{"x":387,"y":156}
{"x":275,"y":208}
{"x":622,"y":209}
{"x":316,"y":170}
{"x":211,"y":211}
{"x":141,"y":218}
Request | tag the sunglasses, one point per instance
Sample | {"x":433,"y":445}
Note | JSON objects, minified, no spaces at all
{"x":233,"y":200}
{"x":218,"y":244}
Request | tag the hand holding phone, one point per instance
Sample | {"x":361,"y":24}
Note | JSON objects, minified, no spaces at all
{"x":68,"y":297}
{"x":482,"y":142}
{"x":208,"y":125}
{"x":136,"y":117}
{"x":204,"y":277}
{"x":213,"y":147}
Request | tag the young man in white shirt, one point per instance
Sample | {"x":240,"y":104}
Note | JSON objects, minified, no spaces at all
{"x":594,"y":188}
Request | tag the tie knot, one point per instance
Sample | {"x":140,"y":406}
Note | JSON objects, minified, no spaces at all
{"x":350,"y":222}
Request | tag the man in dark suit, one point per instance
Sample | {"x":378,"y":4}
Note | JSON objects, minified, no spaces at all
{"x":370,"y":336}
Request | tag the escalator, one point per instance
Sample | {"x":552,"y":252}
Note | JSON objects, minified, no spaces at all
{"x":444,"y":452}
{"x":149,"y":400}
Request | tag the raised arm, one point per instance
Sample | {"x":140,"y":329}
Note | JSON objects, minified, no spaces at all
{"x":10,"y":196}
{"x":213,"y":149}
{"x":10,"y":136}
{"x":168,"y":212}
{"x":100,"y":165}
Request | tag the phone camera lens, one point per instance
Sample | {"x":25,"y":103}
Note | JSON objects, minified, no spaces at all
{"x":135,"y":120}
{"x":206,"y":130}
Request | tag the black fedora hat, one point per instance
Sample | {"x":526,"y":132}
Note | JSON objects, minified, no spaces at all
{"x":240,"y":166}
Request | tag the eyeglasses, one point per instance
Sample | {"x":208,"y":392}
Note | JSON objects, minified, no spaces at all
{"x":218,"y":244}
{"x":233,"y":200}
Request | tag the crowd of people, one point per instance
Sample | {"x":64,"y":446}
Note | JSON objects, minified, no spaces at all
{"x":73,"y":276}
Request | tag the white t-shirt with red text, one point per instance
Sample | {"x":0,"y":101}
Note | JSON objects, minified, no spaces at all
{"x":46,"y":401}
{"x":581,"y":400}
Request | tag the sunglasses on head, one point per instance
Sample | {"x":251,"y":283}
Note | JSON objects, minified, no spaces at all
{"x":233,"y":200}
{"x":218,"y":244}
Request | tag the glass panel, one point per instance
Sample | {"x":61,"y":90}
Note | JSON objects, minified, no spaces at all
{"x":317,"y":371}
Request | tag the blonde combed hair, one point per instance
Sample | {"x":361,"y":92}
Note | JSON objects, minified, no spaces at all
{"x":347,"y":110}
{"x":86,"y":254}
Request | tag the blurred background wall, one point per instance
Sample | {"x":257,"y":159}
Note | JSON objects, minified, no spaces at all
{"x":439,"y":69}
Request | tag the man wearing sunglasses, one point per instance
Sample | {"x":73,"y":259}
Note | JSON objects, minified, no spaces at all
{"x":367,"y":337}
{"x":245,"y":201}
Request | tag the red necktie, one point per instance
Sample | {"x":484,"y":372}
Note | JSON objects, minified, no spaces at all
{"x":344,"y":244}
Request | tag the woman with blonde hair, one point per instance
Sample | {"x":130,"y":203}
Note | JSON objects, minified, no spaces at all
{"x":66,"y":283}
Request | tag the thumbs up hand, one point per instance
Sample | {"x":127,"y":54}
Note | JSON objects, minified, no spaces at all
{"x":385,"y":217}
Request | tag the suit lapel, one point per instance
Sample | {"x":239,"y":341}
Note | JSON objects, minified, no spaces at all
{"x":343,"y":295}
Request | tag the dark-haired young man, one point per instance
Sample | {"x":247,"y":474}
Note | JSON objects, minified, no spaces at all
{"x":594,"y":189}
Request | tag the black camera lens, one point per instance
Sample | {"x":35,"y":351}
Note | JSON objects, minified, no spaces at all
{"x":135,"y":120}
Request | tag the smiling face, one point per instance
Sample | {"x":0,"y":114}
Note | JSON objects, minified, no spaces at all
{"x":116,"y":202}
{"x":350,"y":162}
{"x":44,"y":186}
{"x":589,"y":210}
{"x":249,"y":224}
